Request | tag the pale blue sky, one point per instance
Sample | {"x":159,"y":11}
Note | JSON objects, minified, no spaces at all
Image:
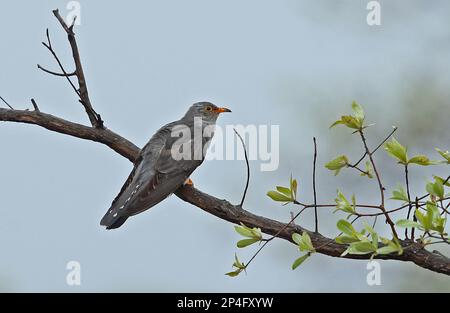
{"x":297,"y":64}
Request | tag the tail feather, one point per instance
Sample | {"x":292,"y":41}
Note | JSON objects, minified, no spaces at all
{"x":112,"y":220}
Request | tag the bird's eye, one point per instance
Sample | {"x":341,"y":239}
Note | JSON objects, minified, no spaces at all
{"x":208,"y":108}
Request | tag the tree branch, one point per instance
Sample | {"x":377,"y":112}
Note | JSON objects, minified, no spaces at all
{"x":221,"y":208}
{"x":413,"y":252}
{"x":119,"y":144}
{"x":94,"y":117}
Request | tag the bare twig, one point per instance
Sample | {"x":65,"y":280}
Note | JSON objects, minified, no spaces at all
{"x":273,"y":237}
{"x":248,"y":167}
{"x":35,"y":106}
{"x":380,"y":185}
{"x":409,"y":197}
{"x":9,"y":106}
{"x":377,"y":147}
{"x":94,"y":117}
{"x":48,"y":45}
{"x":316,"y":219}
{"x":55,"y":73}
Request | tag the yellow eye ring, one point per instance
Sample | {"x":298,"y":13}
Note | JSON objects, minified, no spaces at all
{"x":208,"y":108}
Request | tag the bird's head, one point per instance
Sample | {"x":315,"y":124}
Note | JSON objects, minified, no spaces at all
{"x":206,"y":110}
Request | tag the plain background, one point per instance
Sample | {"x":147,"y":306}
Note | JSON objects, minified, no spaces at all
{"x":297,"y":64}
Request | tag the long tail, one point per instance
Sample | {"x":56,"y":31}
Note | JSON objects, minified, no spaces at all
{"x":112,"y":222}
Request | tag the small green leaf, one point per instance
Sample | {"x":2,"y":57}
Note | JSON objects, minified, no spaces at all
{"x":303,"y":241}
{"x":436,"y":189}
{"x":276,"y":196}
{"x":299,"y":261}
{"x":358,"y":112}
{"x":246,"y":242}
{"x":307,"y":243}
{"x":400,"y":194}
{"x":368,"y":170}
{"x":345,"y":227}
{"x":442,"y":180}
{"x":362,"y":247}
{"x":444,"y":154}
{"x":423,"y":219}
{"x":390,"y":246}
{"x":396,"y":150}
{"x":296,"y":238}
{"x":372,"y":233}
{"x":422,"y":160}
{"x":284,"y":190}
{"x":337,"y":164}
{"x":294,"y":186}
{"x":234,"y":273}
{"x":344,"y":239}
{"x":386,"y":250}
{"x":244,"y":231}
{"x":407,"y":223}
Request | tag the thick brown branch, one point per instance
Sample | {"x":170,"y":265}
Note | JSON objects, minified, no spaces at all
{"x":50,"y":122}
{"x":220,"y":208}
{"x":234,"y":214}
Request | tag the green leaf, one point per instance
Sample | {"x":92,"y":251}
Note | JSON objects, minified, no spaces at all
{"x":349,"y":121}
{"x":246,"y":242}
{"x":342,"y":204}
{"x":396,"y":150}
{"x":442,"y":180}
{"x":299,"y":261}
{"x":337,"y":164}
{"x":345,"y":227}
{"x":294,"y":186}
{"x":386,"y":250}
{"x":296,"y":238}
{"x":303,"y":241}
{"x":422,"y":160}
{"x":400,"y":194}
{"x":423,"y":219}
{"x":244,"y":231}
{"x":358,"y":112}
{"x":368,"y":170}
{"x":344,"y":239}
{"x":436,"y":189}
{"x":234,"y":273}
{"x":372,"y":233}
{"x":284,"y":190}
{"x":276,"y":196}
{"x":390,"y":246}
{"x":238,"y":264}
{"x":360,"y":247}
{"x":307,"y":243}
{"x":407,"y":224}
{"x":444,"y":154}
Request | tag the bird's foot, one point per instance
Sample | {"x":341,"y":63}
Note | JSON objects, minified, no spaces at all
{"x":189,"y":182}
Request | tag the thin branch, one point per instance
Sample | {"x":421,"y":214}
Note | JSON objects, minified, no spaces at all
{"x":377,"y":147}
{"x":273,"y":237}
{"x":9,"y":106}
{"x":35,"y":106}
{"x":55,"y":73}
{"x":94,"y":117}
{"x":316,"y":218}
{"x":409,"y":197}
{"x":380,"y":184}
{"x":248,"y":167}
{"x":49,"y":47}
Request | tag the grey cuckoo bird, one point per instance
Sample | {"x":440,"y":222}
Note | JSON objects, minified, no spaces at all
{"x":165,"y":163}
